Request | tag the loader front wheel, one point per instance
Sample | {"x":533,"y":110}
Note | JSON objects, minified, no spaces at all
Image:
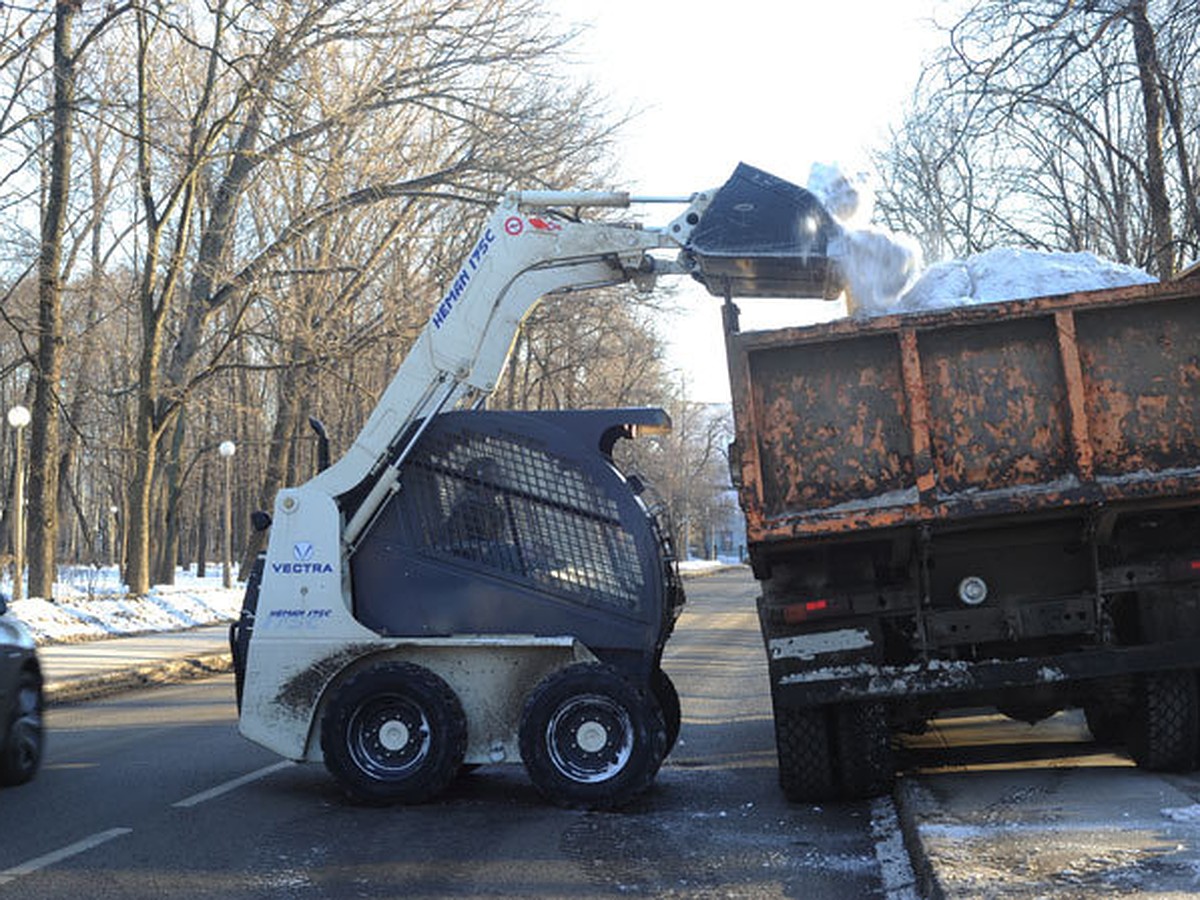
{"x":589,"y":738}
{"x":394,"y":733}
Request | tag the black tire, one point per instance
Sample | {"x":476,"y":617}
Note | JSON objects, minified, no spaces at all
{"x":394,"y":733}
{"x":21,"y":754}
{"x":1165,"y":725}
{"x":805,"y":762}
{"x":865,"y":764}
{"x":668,"y":701}
{"x":589,"y":738}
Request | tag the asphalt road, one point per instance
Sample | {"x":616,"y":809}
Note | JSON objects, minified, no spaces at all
{"x":154,"y":794}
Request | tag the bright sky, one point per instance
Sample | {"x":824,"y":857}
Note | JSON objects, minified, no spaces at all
{"x":773,"y":83}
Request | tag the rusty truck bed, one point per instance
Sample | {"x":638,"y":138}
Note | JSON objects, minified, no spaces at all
{"x":986,"y":410}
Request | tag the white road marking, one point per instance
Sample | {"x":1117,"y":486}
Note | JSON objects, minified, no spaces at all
{"x":57,"y":856}
{"x":899,"y":881}
{"x":228,"y":786}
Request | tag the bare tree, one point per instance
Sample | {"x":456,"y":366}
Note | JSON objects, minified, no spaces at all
{"x":1075,"y":122}
{"x":449,"y":73}
{"x":272,"y":198}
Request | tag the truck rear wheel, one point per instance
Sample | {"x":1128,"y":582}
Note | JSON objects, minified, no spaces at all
{"x":589,"y":738}
{"x":865,"y":765}
{"x":394,"y":733}
{"x":1165,"y":727}
{"x":802,"y":745}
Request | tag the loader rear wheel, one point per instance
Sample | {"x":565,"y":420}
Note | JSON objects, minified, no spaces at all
{"x":589,"y":738}
{"x":394,"y":733}
{"x":805,"y":762}
{"x":1164,"y":729}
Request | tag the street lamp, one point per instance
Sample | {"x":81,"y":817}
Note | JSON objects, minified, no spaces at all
{"x":18,"y":418}
{"x":227,"y":449}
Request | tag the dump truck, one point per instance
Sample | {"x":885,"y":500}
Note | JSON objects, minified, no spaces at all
{"x":992,"y":506}
{"x":466,"y":586}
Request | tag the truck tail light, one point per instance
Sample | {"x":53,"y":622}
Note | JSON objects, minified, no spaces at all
{"x":800,"y":612}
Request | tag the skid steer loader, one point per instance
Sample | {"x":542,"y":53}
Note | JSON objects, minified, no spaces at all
{"x":470,"y":587}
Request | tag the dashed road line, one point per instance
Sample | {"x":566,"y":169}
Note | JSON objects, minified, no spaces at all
{"x":57,"y":856}
{"x":228,"y":786}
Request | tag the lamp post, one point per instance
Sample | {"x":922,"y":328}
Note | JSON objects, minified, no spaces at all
{"x":18,"y":418}
{"x":227,"y":449}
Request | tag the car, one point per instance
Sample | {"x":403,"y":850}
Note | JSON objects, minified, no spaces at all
{"x":21,"y":702}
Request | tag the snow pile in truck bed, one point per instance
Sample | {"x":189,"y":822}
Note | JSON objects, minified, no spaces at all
{"x":884,"y":274}
{"x":1011,"y":274}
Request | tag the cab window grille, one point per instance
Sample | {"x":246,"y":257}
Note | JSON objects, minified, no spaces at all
{"x":511,"y":507}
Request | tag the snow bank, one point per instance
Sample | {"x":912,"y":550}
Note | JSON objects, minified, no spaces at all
{"x":882,"y":268}
{"x":93,"y":605}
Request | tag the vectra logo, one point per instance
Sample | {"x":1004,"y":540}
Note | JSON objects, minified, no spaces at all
{"x":302,"y":552}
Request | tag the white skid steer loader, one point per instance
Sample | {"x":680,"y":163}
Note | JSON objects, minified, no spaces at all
{"x":469,"y":587}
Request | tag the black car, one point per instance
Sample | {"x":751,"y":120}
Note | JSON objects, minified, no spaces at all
{"x":20,"y":702}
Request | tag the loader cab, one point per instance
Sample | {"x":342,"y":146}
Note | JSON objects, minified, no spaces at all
{"x":519,"y":522}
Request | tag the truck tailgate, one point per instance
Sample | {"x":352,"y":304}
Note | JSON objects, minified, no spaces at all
{"x":973,"y":411}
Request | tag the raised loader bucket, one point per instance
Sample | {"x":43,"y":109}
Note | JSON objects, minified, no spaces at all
{"x":762,"y":236}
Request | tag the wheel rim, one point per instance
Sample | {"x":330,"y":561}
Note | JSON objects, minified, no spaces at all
{"x":389,"y":737}
{"x":590,"y":738}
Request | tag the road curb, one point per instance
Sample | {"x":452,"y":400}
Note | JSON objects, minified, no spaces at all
{"x":168,"y":671}
{"x":908,"y":801}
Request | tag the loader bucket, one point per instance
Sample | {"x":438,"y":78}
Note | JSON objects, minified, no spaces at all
{"x":762,"y":236}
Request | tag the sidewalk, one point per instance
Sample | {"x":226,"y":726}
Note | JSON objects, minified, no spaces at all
{"x":84,"y":671}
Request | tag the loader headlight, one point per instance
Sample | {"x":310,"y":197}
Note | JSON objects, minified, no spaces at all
{"x":972,"y":590}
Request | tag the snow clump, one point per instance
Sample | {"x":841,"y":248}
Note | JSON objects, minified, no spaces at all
{"x":878,"y":264}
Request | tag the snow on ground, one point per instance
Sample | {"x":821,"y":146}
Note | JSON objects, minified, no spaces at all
{"x":703,"y":566}
{"x":91,"y":603}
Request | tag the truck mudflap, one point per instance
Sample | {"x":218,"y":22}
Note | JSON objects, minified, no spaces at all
{"x":794,"y":686}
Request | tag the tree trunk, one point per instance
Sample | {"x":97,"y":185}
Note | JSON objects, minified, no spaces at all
{"x":1156,"y":181}
{"x":202,"y":525}
{"x":43,"y":450}
{"x":287,"y":420}
{"x":172,"y":494}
